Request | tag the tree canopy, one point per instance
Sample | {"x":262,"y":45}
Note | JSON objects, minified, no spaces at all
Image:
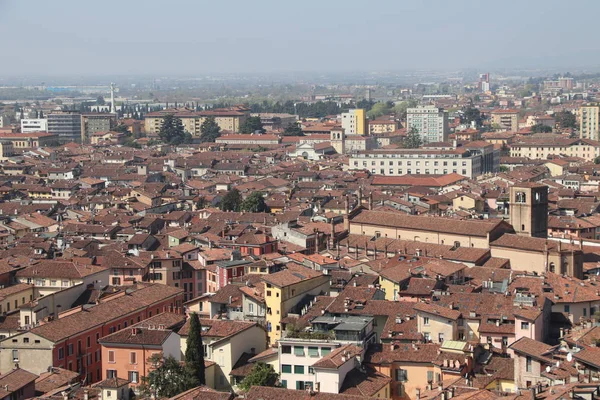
{"x":255,"y":203}
{"x":100,"y":101}
{"x":261,"y":375}
{"x":194,"y":352}
{"x":168,"y":379}
{"x":413,"y":140}
{"x":541,"y":128}
{"x":293,"y":129}
{"x":231,"y":201}
{"x":566,"y":119}
{"x":471,"y":114}
{"x":172,"y":131}
{"x":209,"y":130}
{"x":251,"y":125}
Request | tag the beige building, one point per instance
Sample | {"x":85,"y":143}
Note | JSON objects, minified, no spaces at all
{"x":96,"y":122}
{"x":589,"y":122}
{"x":544,"y":145}
{"x":465,"y":233}
{"x":381,"y":126}
{"x":529,"y":209}
{"x":228,"y":119}
{"x":506,"y":120}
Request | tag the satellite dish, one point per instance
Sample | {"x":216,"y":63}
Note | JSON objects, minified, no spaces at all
{"x":548,"y":368}
{"x":570,"y":357}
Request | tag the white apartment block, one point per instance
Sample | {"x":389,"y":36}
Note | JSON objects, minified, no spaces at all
{"x":397,"y":162}
{"x":34,"y":125}
{"x":430,"y":122}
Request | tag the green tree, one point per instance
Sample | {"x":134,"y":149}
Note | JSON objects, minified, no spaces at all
{"x":194,"y":352}
{"x":400,"y":108}
{"x":100,"y":101}
{"x":167,"y":379}
{"x":293,"y":129}
{"x":472,"y":114}
{"x":209,"y":130}
{"x":201,"y":203}
{"x":541,"y":128}
{"x":121,"y":128}
{"x":251,"y":125}
{"x":565,"y":119}
{"x":413,"y":140}
{"x":171,"y":130}
{"x":378,"y":110}
{"x":231,"y":201}
{"x":255,"y":203}
{"x":261,"y":375}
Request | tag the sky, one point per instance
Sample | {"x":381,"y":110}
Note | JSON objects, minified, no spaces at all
{"x":193,"y":37}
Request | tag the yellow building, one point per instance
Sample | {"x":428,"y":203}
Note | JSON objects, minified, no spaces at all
{"x":543,"y":145}
{"x":12,"y":297}
{"x":589,"y":122}
{"x":228,"y":119}
{"x":354,"y":122}
{"x":381,"y":126}
{"x":285,"y":290}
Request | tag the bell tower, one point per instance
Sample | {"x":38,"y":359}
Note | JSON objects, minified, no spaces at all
{"x":338,"y":140}
{"x":528,"y":207}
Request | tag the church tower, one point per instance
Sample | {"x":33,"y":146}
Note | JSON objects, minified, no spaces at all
{"x":338,"y":140}
{"x":529,"y":209}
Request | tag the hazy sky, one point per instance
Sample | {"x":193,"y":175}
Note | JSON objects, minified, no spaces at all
{"x":87,"y":37}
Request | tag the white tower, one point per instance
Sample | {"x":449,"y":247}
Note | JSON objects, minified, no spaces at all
{"x":113,"y":110}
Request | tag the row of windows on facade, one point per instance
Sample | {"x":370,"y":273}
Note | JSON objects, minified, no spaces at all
{"x":391,"y":163}
{"x":418,"y":171}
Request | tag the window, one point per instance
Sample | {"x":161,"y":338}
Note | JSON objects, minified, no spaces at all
{"x":528,"y":364}
{"x":313,"y":351}
{"x":15,"y":355}
{"x":298,"y":369}
{"x":26,"y":340}
{"x":299,"y":351}
{"x":401,"y":375}
{"x":133,"y":357}
{"x":325,"y":351}
{"x":286,"y":369}
{"x":429,"y":376}
{"x":299,"y":385}
{"x":111,"y":356}
{"x":524,"y":325}
{"x":440,"y":338}
{"x":111,"y":373}
{"x":567,"y":308}
{"x":134,"y":376}
{"x":425,"y":320}
{"x":286,"y":349}
{"x":61,"y":353}
{"x":70,"y":349}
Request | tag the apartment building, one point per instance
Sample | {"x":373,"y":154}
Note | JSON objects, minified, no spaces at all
{"x":505,"y":120}
{"x":383,"y":125}
{"x":430,"y":122}
{"x":589,"y":122}
{"x":354,"y":122}
{"x":287,"y":292}
{"x":228,"y":119}
{"x":29,"y":140}
{"x":541,"y":146}
{"x":72,"y":340}
{"x":396,"y":162}
{"x":96,"y":122}
{"x":66,"y":125}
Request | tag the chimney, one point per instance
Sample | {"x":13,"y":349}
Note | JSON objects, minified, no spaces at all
{"x":418,"y":394}
{"x":86,"y":394}
{"x":370,"y":200}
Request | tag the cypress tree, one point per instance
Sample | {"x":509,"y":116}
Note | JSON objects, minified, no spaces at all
{"x":194,"y":352}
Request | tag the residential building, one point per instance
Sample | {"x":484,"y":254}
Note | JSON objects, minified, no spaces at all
{"x":505,"y":120}
{"x":228,"y":119}
{"x":383,"y":125}
{"x":29,"y":140}
{"x":225,"y":342}
{"x":71,"y":339}
{"x":589,"y":122}
{"x":396,"y":162}
{"x":126,"y":353}
{"x":29,"y":125}
{"x":531,"y":358}
{"x":354,"y":122}
{"x":430,"y":122}
{"x":289,"y":290}
{"x":275,"y":121}
{"x":542,"y":146}
{"x":96,"y":122}
{"x":17,"y":384}
{"x":66,"y":125}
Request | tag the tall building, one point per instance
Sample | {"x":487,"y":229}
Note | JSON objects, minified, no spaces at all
{"x":96,"y":122}
{"x":529,"y":209}
{"x":66,"y":125}
{"x":589,"y":122}
{"x":34,"y":125}
{"x":484,"y":82}
{"x":430,"y":122}
{"x":354,"y":122}
{"x":506,"y":120}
